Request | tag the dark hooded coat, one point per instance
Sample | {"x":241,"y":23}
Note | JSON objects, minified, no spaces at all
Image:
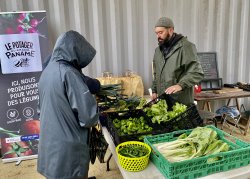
{"x":67,"y":110}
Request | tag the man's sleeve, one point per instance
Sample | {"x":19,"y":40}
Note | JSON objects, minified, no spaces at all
{"x":193,"y":71}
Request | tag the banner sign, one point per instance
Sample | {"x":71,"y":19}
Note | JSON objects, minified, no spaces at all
{"x":23,"y":46}
{"x":20,"y":53}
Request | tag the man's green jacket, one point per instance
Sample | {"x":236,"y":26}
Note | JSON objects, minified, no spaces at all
{"x":181,"y":66}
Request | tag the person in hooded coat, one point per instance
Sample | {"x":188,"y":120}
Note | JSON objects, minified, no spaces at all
{"x":67,"y":110}
{"x":93,"y":84}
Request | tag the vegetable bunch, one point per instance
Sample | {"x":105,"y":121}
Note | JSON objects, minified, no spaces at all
{"x":200,"y":142}
{"x":159,"y":111}
{"x":110,"y":96}
{"x":131,"y":126}
{"x":133,"y":102}
{"x":109,"y":93}
{"x":133,"y":151}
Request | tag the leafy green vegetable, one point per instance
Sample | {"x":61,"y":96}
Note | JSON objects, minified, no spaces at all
{"x":110,"y":96}
{"x":131,"y":126}
{"x":133,"y":151}
{"x":143,"y":101}
{"x":129,"y":103}
{"x":159,"y":111}
{"x":200,"y":142}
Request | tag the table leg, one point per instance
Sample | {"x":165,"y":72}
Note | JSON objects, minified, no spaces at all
{"x":236,"y":102}
{"x":204,"y":105}
{"x":108,"y":162}
{"x":228,"y":102}
{"x":208,"y":106}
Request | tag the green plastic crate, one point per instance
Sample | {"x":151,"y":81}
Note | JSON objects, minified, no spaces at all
{"x":237,"y":156}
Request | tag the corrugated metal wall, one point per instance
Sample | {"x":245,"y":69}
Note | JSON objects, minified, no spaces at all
{"x":122,"y":31}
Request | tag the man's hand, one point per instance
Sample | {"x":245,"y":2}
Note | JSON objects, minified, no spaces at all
{"x":173,"y":89}
{"x":154,"y":95}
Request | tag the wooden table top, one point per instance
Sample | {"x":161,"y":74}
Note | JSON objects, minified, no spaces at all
{"x":212,"y":95}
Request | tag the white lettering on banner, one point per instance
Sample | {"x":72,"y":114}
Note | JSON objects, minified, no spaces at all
{"x":14,"y":83}
{"x":28,"y":80}
{"x":26,"y":92}
{"x":22,"y":88}
{"x":13,"y":120}
{"x":28,"y":99}
{"x":12,"y":102}
{"x":16,"y":95}
{"x":13,"y":139}
{"x":31,"y":92}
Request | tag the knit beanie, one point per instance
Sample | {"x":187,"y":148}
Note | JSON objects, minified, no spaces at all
{"x":164,"y":22}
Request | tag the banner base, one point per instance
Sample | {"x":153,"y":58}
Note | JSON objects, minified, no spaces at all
{"x":19,"y":159}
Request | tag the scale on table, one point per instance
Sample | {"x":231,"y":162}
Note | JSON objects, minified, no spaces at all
{"x":211,"y":79}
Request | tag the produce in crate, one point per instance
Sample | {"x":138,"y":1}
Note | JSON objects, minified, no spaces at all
{"x":200,"y":142}
{"x":130,"y":103}
{"x":110,"y":96}
{"x":237,"y":156}
{"x":143,"y":102}
{"x":159,"y":111}
{"x":110,"y":90}
{"x":131,"y":126}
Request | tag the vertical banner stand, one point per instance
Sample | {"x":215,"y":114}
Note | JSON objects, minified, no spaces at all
{"x":23,"y":46}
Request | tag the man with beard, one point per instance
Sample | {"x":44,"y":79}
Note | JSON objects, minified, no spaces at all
{"x":176,"y":68}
